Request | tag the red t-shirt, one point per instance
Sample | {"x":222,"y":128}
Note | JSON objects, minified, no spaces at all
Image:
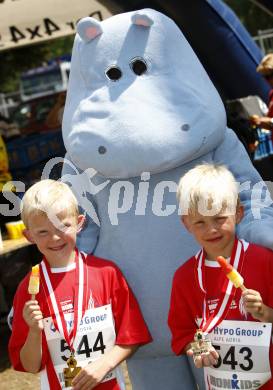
{"x":187,"y":298}
{"x":106,"y":285}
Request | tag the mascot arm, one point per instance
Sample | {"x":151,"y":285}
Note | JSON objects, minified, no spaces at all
{"x":257,"y":224}
{"x":88,"y":237}
{"x":78,"y":181}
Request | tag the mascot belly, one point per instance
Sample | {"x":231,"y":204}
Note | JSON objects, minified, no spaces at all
{"x":140,"y":112}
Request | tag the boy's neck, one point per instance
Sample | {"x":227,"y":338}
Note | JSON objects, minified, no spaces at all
{"x":209,"y":260}
{"x":55,"y":262}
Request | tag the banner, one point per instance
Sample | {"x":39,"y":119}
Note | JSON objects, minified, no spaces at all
{"x":24,"y":22}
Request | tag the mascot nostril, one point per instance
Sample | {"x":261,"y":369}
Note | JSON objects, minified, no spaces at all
{"x":102,"y":150}
{"x":185,"y":127}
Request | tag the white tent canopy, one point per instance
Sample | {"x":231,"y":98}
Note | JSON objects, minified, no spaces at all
{"x":24,"y":22}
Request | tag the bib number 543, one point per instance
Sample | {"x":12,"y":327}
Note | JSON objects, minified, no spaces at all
{"x":244,"y":354}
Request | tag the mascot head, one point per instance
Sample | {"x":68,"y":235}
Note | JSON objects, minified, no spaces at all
{"x":138,"y":98}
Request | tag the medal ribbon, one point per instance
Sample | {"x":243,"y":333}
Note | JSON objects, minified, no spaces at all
{"x":209,"y":322}
{"x":79,"y":304}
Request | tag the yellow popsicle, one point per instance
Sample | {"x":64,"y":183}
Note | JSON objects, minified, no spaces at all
{"x":236,"y":278}
{"x":231,"y":273}
{"x":34,"y":281}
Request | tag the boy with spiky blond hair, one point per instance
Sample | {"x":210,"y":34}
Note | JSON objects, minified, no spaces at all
{"x":225,"y":330}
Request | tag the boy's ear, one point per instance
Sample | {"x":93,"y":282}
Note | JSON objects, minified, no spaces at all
{"x":28,"y":236}
{"x":239,"y":213}
{"x":81,"y":221}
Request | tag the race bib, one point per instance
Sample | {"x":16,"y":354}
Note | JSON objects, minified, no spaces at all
{"x":243,"y":347}
{"x":95,"y":336}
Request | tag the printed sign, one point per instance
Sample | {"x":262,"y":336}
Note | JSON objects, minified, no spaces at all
{"x":243,"y":347}
{"x":95,"y":336}
{"x":23,"y":22}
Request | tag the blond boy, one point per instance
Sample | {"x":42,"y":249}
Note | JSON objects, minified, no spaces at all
{"x":202,"y":296}
{"x":84,"y":320}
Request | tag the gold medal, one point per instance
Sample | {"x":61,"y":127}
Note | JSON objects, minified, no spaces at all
{"x":71,"y":371}
{"x":57,"y":315}
{"x":201,"y":343}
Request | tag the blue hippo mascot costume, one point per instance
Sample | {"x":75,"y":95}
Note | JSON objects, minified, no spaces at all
{"x":140,"y":112}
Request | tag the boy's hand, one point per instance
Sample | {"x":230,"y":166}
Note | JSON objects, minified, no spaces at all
{"x":90,"y":376}
{"x":205,"y":359}
{"x":33,"y":316}
{"x":254,"y":304}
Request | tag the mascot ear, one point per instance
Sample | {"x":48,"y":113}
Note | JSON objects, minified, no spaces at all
{"x":89,"y":28}
{"x":141,"y":19}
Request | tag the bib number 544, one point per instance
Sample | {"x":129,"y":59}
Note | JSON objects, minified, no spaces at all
{"x":84,"y":347}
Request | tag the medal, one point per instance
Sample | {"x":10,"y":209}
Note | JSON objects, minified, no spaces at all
{"x":201,"y":343}
{"x":71,"y":371}
{"x":57,"y":314}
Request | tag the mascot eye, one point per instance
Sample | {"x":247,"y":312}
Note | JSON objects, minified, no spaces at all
{"x":113,"y":73}
{"x":138,"y":66}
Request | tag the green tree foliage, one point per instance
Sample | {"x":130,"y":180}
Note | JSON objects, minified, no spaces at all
{"x":251,"y":16}
{"x":14,"y":62}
